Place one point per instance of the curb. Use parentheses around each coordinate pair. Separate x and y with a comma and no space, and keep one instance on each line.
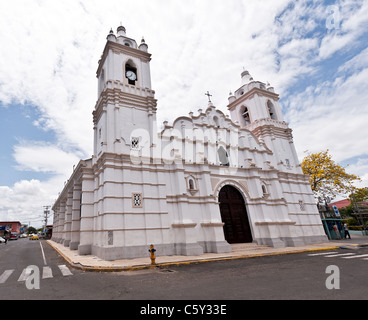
(178,263)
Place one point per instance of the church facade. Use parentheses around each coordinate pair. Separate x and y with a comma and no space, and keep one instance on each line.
(202,183)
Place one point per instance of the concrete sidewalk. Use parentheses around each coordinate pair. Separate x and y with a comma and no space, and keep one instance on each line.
(239,251)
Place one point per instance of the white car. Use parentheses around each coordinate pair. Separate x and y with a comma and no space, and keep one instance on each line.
(2,240)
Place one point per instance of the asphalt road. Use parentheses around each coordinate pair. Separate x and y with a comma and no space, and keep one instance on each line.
(285,277)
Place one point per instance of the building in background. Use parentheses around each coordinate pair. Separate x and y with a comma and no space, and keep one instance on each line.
(13,227)
(341,203)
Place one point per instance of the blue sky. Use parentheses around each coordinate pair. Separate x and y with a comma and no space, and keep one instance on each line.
(17,125)
(314,53)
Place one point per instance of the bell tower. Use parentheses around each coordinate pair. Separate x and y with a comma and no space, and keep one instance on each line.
(255,107)
(126,101)
(254,101)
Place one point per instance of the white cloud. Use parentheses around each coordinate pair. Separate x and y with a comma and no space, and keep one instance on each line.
(361,169)
(40,157)
(334,116)
(357,63)
(353,25)
(334,42)
(50,63)
(25,200)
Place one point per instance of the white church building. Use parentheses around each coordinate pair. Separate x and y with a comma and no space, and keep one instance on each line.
(204,182)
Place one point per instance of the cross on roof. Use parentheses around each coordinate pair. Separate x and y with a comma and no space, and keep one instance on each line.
(209,96)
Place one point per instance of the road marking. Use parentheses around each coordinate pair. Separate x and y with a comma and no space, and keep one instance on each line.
(64,270)
(25,274)
(6,275)
(340,255)
(321,254)
(43,254)
(47,273)
(359,256)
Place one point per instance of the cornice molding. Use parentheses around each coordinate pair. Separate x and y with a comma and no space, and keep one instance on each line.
(250,94)
(121,49)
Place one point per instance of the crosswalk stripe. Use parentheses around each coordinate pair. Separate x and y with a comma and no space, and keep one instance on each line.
(321,254)
(331,254)
(358,256)
(65,270)
(47,273)
(6,274)
(339,255)
(25,274)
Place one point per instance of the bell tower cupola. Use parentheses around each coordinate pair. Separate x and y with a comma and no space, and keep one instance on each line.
(124,61)
(121,31)
(253,101)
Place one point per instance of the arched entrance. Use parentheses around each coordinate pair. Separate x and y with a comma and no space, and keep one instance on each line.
(234,216)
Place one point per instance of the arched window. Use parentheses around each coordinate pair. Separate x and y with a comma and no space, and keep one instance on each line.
(271,110)
(216,121)
(131,72)
(264,190)
(246,116)
(191,184)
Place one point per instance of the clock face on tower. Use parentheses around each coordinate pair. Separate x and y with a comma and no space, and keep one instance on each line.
(131,75)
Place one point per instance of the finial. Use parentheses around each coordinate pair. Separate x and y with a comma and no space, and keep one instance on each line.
(111,36)
(209,96)
(121,30)
(143,46)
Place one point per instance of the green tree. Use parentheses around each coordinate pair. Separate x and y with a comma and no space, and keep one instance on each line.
(347,211)
(326,176)
(359,194)
(31,230)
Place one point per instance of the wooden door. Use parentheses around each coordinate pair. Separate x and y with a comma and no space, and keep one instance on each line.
(234,215)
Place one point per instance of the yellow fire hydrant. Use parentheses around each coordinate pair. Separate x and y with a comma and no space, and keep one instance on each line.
(153,256)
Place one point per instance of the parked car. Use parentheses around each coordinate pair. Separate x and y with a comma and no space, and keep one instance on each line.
(14,236)
(33,237)
(42,235)
(2,240)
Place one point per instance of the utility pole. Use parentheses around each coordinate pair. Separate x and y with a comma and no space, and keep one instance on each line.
(46,213)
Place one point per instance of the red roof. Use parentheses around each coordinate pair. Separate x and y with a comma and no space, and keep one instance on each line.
(340,204)
(9,222)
